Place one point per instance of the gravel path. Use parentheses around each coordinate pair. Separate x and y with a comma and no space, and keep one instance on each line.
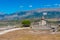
(6,31)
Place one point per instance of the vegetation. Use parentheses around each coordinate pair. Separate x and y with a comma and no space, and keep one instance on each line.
(26,23)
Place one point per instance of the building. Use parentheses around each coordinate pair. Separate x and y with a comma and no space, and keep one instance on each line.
(41,24)
(45,25)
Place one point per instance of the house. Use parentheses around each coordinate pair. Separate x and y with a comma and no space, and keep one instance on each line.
(41,24)
(45,25)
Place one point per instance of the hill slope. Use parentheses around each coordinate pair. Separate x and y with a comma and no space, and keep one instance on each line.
(51,13)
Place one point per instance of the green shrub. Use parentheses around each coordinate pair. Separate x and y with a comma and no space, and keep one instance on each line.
(26,23)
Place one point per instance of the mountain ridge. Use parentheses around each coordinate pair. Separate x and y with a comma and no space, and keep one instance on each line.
(51,13)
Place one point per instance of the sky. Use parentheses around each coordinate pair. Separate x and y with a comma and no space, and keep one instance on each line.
(11,6)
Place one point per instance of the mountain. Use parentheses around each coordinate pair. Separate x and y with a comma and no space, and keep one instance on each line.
(37,13)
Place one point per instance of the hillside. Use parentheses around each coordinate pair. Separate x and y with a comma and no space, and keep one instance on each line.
(37,13)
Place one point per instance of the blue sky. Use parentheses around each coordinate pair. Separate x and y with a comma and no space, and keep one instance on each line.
(10,6)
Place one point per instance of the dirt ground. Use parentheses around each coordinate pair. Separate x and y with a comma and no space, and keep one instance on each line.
(27,34)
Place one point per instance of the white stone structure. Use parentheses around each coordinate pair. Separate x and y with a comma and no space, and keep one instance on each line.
(45,25)
(43,22)
(41,25)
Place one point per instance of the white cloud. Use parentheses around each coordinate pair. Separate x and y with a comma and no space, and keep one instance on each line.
(11,16)
(44,13)
(27,14)
(30,6)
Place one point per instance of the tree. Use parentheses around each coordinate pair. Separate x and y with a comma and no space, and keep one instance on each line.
(26,23)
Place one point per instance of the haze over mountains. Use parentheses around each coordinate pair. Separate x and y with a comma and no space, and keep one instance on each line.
(37,13)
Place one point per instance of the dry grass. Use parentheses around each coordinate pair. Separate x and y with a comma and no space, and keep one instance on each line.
(28,35)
